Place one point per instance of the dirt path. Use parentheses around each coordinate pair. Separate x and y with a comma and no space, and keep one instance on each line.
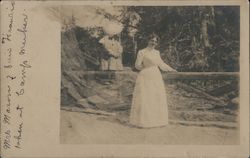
(81,128)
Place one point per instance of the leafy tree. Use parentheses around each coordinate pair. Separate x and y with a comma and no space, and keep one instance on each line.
(203,38)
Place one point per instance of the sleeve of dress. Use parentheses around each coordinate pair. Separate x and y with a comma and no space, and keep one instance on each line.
(119,49)
(138,62)
(163,66)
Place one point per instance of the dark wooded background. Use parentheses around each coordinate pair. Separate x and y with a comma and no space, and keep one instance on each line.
(203,38)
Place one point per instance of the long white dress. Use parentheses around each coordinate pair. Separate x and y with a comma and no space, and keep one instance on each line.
(149,104)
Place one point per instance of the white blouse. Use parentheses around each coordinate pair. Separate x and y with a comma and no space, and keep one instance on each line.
(147,58)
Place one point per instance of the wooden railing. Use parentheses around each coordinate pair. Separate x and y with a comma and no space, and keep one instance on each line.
(181,75)
(211,85)
(201,75)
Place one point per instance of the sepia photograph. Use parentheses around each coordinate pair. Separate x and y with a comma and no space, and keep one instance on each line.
(149,74)
(125,79)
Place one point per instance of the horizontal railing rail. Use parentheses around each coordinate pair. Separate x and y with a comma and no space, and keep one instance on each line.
(180,75)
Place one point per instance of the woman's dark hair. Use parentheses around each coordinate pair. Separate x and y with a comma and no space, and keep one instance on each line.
(153,35)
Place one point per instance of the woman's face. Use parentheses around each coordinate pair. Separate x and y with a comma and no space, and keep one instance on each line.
(153,42)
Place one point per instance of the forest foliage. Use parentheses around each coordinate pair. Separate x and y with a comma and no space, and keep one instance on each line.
(192,38)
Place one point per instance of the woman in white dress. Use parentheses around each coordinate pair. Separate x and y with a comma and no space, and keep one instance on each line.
(149,104)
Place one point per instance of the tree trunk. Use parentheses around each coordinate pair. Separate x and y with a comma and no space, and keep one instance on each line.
(204,31)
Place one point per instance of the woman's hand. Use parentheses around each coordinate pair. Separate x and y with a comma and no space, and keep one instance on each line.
(173,70)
